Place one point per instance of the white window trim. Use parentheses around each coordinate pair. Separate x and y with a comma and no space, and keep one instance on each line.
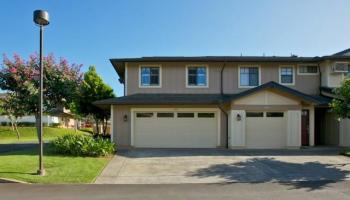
(160,76)
(175,110)
(207,76)
(279,74)
(239,75)
(308,74)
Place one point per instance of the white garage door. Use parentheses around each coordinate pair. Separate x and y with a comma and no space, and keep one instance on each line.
(266,129)
(180,129)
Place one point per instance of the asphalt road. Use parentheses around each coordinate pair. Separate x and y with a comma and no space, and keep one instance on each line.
(248,191)
(16,147)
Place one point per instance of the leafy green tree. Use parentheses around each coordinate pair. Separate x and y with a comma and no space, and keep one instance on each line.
(20,77)
(11,107)
(341,104)
(93,89)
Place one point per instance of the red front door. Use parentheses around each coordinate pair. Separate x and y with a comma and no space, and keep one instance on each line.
(305,124)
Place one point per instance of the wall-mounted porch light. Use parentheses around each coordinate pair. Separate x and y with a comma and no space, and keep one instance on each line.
(125,118)
(238,117)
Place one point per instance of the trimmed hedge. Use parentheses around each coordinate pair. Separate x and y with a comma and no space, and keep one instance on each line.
(82,145)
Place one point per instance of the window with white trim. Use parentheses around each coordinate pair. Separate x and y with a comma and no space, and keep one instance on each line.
(274,114)
(254,114)
(205,115)
(308,69)
(197,76)
(150,76)
(185,115)
(249,76)
(165,115)
(287,75)
(144,115)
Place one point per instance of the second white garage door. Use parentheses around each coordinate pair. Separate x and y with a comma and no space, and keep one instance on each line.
(180,129)
(266,130)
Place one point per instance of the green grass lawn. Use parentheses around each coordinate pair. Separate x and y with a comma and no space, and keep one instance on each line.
(28,134)
(22,165)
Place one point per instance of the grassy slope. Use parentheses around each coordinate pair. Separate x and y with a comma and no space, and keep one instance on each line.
(28,134)
(22,165)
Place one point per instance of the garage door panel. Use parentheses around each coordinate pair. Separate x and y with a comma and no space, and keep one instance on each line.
(186,132)
(266,132)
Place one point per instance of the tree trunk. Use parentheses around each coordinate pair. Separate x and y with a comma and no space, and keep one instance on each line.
(17,132)
(75,125)
(11,121)
(105,123)
(105,128)
(12,125)
(97,126)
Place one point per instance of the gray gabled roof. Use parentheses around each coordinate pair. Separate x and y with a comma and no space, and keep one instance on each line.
(201,99)
(162,99)
(346,52)
(119,63)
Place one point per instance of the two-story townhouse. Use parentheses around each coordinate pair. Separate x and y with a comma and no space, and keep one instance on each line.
(227,102)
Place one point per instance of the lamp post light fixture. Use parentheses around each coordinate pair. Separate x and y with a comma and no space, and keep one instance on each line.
(41,18)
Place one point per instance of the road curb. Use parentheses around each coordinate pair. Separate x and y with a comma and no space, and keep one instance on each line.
(7,180)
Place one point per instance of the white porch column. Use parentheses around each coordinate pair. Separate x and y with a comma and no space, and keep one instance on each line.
(237,128)
(293,128)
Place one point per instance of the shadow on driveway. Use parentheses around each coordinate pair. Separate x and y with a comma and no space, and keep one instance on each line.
(257,170)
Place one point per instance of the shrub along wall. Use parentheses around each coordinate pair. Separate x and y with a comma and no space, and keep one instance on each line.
(83,145)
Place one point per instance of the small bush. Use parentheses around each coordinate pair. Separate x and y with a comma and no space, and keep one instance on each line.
(346,153)
(26,124)
(83,145)
(55,125)
(4,123)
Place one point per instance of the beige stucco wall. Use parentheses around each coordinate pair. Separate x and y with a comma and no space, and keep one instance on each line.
(122,130)
(330,79)
(174,78)
(265,97)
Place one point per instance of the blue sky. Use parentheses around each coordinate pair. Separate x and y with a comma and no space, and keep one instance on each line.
(91,32)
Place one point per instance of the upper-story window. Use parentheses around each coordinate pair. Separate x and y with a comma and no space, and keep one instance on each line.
(197,76)
(287,75)
(308,69)
(249,76)
(150,76)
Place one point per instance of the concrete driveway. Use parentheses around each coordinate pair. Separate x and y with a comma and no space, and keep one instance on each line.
(154,166)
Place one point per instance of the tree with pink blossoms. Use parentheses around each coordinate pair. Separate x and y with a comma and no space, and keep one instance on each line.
(20,78)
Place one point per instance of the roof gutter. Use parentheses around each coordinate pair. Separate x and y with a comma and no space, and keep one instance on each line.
(222,79)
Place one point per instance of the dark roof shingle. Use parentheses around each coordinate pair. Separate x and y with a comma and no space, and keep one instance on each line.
(192,99)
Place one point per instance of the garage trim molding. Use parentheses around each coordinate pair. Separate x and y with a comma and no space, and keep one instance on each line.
(175,109)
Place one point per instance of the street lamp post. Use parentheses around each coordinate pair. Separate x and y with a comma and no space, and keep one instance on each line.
(41,18)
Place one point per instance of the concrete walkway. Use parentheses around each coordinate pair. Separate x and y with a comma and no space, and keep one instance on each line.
(221,166)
